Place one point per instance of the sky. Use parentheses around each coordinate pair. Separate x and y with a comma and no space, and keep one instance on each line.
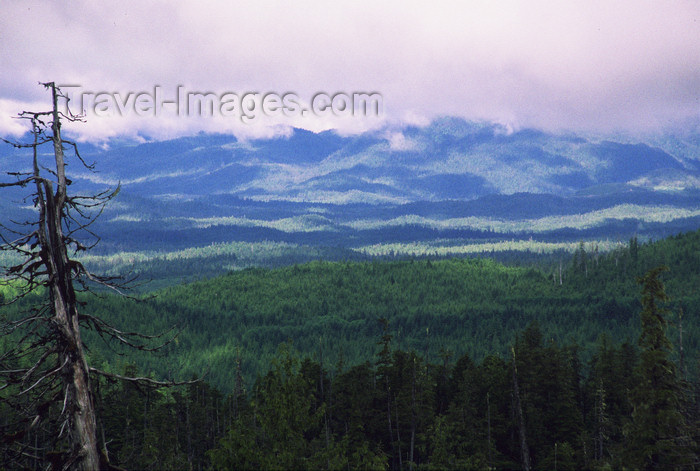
(565,66)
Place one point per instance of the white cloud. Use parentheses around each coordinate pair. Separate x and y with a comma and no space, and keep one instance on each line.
(399,142)
(582,65)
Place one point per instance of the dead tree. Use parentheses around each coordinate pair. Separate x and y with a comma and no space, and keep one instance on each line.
(45,377)
(524,449)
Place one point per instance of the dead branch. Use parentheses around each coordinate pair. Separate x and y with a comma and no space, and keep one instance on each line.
(143,380)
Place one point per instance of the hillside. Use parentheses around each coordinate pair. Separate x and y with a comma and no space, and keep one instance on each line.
(450,183)
(472,306)
(450,159)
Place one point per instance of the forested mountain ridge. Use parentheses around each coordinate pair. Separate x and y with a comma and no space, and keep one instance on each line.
(472,306)
(450,180)
(449,159)
(408,364)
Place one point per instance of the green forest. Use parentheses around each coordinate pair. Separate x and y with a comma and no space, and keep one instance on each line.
(434,307)
(412,364)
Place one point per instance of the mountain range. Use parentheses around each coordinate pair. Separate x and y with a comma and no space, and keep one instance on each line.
(451,179)
(450,159)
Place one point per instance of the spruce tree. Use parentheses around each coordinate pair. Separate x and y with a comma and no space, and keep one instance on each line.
(657,437)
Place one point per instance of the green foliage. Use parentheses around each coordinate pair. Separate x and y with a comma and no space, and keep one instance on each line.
(148,428)
(549,386)
(401,366)
(472,307)
(658,436)
(607,389)
(282,428)
(300,415)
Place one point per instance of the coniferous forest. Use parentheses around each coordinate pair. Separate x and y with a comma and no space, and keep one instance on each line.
(411,364)
(341,235)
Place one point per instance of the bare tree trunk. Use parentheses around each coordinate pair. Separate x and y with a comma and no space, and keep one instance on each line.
(488,429)
(388,414)
(398,431)
(190,456)
(46,245)
(560,281)
(681,361)
(413,416)
(525,451)
(78,399)
(323,399)
(601,421)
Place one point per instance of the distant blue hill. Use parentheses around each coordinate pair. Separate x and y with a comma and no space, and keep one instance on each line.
(351,190)
(450,159)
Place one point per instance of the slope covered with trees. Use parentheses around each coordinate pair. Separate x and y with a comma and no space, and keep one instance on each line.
(417,365)
(473,306)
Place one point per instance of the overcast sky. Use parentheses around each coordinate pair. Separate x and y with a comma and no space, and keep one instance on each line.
(586,66)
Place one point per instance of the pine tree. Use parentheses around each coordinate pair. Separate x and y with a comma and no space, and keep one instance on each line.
(634,250)
(657,437)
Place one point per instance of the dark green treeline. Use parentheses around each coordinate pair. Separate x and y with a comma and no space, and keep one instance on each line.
(474,307)
(400,412)
(414,365)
